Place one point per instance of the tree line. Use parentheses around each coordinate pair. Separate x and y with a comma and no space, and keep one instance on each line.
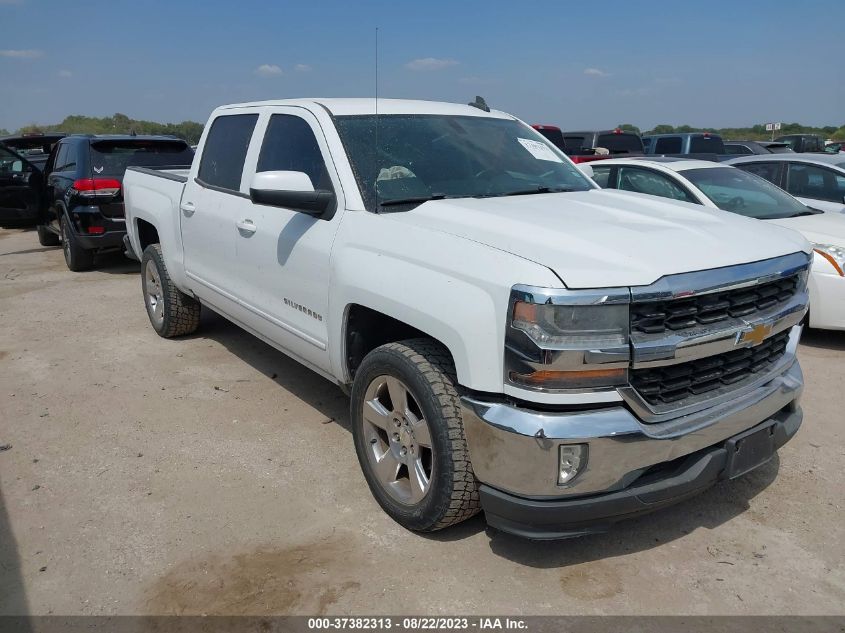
(753,133)
(191,130)
(117,124)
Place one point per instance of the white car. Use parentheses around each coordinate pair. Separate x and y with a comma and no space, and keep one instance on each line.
(719,186)
(514,339)
(817,180)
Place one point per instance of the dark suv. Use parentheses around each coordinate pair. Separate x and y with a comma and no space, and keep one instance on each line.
(83,197)
(803,142)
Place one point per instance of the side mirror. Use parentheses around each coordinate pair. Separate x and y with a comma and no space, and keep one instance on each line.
(586,169)
(291,190)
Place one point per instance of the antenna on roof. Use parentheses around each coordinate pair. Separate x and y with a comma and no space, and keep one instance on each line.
(480,103)
(376,104)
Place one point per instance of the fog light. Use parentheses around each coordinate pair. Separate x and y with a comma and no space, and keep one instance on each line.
(573,459)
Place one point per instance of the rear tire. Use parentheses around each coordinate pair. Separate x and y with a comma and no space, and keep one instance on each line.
(171,311)
(76,257)
(46,237)
(409,436)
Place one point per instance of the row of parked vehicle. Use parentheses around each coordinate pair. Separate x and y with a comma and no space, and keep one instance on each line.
(515,339)
(70,186)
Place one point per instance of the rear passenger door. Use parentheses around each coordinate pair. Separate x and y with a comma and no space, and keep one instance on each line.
(816,186)
(209,211)
(284,255)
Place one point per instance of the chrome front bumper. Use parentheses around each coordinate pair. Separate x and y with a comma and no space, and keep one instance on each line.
(515,450)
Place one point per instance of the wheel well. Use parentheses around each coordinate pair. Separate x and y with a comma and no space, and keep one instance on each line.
(147,234)
(367,329)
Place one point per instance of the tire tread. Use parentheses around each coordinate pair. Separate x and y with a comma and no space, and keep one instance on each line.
(182,314)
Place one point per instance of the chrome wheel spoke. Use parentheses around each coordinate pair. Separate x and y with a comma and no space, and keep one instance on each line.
(377,415)
(398,395)
(418,480)
(422,435)
(387,467)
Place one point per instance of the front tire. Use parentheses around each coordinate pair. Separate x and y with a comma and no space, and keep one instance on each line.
(46,237)
(171,311)
(409,436)
(76,257)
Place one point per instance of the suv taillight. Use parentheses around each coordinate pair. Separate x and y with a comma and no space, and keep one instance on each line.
(96,187)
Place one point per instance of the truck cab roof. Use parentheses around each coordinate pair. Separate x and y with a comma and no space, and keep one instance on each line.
(369,105)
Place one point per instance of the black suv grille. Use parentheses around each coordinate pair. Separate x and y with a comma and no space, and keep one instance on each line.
(677,314)
(675,382)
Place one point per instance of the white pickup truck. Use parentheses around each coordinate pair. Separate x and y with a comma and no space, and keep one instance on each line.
(515,340)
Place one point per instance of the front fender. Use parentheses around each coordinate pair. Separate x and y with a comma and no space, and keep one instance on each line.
(451,288)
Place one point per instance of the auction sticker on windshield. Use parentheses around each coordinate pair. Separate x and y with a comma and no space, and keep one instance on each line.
(539,150)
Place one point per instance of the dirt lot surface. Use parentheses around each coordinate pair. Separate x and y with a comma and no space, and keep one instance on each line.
(213,475)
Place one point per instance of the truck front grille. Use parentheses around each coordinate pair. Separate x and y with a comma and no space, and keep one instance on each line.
(675,382)
(656,317)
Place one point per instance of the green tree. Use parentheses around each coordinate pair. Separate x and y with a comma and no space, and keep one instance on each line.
(663,129)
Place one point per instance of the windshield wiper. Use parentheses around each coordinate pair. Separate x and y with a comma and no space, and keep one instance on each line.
(412,200)
(808,211)
(527,192)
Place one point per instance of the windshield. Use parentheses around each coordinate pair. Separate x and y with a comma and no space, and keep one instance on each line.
(738,191)
(414,158)
(111,158)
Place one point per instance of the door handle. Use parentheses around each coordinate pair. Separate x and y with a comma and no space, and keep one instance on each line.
(246,226)
(188,208)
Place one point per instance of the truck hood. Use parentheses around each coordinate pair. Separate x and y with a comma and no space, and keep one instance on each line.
(599,238)
(822,228)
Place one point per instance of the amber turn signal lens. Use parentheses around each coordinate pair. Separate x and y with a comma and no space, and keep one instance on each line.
(525,312)
(547,379)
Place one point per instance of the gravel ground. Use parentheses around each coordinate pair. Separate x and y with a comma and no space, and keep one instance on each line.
(211,474)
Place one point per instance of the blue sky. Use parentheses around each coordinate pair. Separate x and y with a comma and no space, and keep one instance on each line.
(573,64)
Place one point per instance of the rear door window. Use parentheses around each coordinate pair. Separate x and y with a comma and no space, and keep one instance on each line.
(651,182)
(668,145)
(112,157)
(769,171)
(224,152)
(737,149)
(811,181)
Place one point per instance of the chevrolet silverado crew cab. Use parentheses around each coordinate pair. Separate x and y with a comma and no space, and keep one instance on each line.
(514,339)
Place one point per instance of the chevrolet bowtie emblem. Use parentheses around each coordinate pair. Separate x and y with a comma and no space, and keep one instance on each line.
(755,335)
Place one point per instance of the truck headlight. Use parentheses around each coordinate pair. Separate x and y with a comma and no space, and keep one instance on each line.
(568,340)
(834,254)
